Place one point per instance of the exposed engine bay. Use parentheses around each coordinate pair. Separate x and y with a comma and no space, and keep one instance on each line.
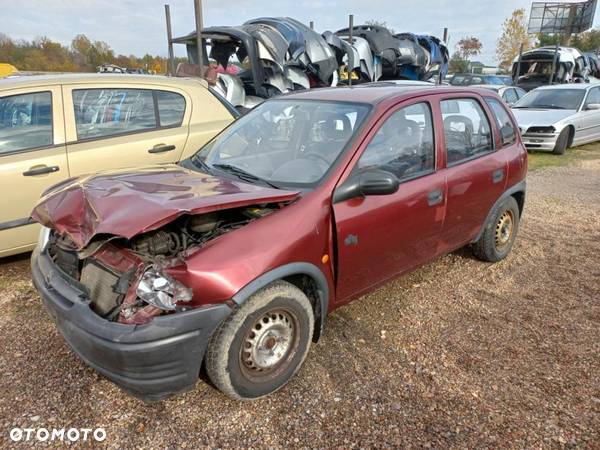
(128,279)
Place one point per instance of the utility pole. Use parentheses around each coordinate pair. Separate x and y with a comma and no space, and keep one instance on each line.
(312,25)
(171,62)
(350,32)
(199,27)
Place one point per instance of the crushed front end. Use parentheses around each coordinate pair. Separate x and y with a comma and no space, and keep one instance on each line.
(119,290)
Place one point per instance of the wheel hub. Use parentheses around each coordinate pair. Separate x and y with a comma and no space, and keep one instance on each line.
(504,229)
(268,342)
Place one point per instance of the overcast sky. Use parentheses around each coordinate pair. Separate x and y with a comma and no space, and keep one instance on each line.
(138,26)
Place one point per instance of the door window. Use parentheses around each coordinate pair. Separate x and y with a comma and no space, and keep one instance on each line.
(510,96)
(466,129)
(25,122)
(593,97)
(404,145)
(107,112)
(505,125)
(171,108)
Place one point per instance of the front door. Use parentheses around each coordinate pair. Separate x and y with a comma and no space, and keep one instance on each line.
(379,237)
(588,119)
(113,127)
(32,158)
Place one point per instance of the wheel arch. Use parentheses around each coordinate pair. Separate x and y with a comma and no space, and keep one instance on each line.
(307,277)
(571,129)
(517,192)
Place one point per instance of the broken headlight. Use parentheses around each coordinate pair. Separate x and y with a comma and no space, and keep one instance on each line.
(161,290)
(43,238)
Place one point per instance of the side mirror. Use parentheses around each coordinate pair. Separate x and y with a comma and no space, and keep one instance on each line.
(592,107)
(369,182)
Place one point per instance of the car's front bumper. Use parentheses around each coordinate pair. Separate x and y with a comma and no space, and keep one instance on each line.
(540,141)
(150,361)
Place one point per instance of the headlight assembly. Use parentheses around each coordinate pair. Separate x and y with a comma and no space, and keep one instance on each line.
(161,290)
(43,238)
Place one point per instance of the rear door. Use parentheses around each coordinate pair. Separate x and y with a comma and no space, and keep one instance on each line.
(32,158)
(476,170)
(379,237)
(114,126)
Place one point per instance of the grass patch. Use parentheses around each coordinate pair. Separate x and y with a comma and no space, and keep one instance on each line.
(540,160)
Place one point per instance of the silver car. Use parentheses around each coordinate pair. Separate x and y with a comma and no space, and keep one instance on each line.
(510,94)
(554,118)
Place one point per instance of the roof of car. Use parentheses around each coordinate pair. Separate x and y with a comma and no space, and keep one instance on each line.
(373,93)
(92,78)
(570,86)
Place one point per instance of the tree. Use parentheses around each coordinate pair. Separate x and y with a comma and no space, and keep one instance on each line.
(468,47)
(514,33)
(457,64)
(379,23)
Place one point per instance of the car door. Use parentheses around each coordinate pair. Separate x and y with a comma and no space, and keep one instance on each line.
(32,158)
(379,237)
(587,120)
(476,172)
(130,125)
(510,96)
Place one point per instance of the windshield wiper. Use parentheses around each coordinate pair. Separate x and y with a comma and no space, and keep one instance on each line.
(201,165)
(548,107)
(243,175)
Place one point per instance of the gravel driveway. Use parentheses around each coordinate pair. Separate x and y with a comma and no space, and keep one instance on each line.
(457,354)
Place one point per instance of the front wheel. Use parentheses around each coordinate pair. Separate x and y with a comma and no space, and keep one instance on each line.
(500,232)
(562,142)
(262,344)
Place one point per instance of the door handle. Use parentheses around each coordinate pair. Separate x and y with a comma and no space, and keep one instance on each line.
(40,170)
(161,148)
(435,197)
(498,175)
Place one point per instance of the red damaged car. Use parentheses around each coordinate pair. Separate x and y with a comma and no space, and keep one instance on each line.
(234,258)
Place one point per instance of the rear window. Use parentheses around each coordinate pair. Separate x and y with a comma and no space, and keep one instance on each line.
(25,122)
(507,129)
(171,108)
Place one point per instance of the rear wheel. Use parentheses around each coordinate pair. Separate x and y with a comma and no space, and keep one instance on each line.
(562,142)
(500,232)
(262,344)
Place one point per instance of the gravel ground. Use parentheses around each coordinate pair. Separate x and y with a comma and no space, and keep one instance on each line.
(457,354)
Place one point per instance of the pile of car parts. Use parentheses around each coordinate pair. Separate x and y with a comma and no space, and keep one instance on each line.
(268,56)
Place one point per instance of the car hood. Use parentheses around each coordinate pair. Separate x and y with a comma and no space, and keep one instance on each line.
(126,203)
(527,117)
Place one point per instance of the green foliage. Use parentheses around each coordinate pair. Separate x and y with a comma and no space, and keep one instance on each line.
(83,55)
(458,64)
(587,41)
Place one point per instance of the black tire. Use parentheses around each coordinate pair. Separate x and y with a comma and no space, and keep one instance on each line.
(236,360)
(562,142)
(494,244)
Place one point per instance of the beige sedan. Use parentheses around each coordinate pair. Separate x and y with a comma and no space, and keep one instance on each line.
(59,126)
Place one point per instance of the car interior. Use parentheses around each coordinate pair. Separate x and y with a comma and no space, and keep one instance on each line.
(25,122)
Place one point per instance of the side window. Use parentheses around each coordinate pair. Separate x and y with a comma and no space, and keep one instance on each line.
(510,96)
(171,108)
(467,131)
(505,125)
(25,122)
(593,97)
(520,93)
(404,144)
(108,112)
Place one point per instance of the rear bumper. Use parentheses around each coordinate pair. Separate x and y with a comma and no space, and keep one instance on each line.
(150,361)
(539,141)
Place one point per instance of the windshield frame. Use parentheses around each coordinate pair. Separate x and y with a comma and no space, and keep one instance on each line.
(533,92)
(357,132)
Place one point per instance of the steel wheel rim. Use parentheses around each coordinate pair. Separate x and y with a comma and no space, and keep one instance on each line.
(504,230)
(268,346)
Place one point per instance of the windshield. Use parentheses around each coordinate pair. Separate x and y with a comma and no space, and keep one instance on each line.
(493,80)
(552,99)
(284,142)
